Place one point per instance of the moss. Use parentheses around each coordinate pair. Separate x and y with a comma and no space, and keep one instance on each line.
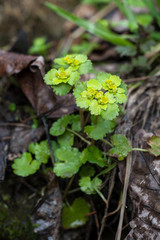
(13,226)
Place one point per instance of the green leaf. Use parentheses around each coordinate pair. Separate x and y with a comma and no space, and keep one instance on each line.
(25,165)
(125,9)
(155,35)
(75,216)
(151,6)
(154,142)
(41,151)
(88,186)
(121,146)
(93,154)
(94,107)
(90,27)
(86,171)
(75,123)
(59,127)
(144,19)
(61,89)
(82,102)
(67,139)
(126,51)
(139,62)
(85,47)
(99,130)
(111,112)
(69,161)
(136,3)
(93,83)
(85,67)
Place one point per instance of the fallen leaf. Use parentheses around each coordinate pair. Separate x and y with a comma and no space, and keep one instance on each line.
(154,142)
(30,72)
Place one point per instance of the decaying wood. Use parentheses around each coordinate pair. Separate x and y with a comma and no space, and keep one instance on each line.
(141,121)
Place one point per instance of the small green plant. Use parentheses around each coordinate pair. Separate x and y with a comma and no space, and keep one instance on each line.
(12,107)
(98,101)
(79,138)
(39,46)
(26,165)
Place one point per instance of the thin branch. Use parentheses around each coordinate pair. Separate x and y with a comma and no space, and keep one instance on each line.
(81,113)
(48,138)
(125,188)
(111,186)
(68,186)
(153,174)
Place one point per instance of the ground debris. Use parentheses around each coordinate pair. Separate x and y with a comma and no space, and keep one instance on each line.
(47,213)
(140,123)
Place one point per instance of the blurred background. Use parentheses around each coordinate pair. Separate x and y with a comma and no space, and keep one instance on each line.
(32,17)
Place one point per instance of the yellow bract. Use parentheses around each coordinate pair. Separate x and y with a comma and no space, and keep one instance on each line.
(91,91)
(61,75)
(76,62)
(104,100)
(111,85)
(99,95)
(72,61)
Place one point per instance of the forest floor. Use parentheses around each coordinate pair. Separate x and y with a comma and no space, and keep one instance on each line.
(125,206)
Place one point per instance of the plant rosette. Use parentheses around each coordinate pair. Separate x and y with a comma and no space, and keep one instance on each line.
(75,62)
(101,96)
(61,80)
(56,77)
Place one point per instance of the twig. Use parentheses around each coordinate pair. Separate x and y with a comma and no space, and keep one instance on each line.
(116,210)
(95,215)
(81,113)
(34,190)
(15,125)
(89,229)
(125,188)
(48,138)
(68,186)
(111,186)
(137,79)
(5,138)
(153,174)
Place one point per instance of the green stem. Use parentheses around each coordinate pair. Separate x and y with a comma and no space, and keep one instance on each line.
(108,143)
(78,135)
(101,195)
(96,120)
(82,118)
(68,186)
(139,149)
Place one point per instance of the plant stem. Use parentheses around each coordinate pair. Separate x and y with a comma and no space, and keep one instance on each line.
(48,138)
(96,119)
(108,143)
(139,149)
(78,135)
(82,118)
(68,186)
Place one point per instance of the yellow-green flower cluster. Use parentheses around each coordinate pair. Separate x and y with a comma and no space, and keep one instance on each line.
(63,79)
(75,62)
(56,77)
(101,96)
